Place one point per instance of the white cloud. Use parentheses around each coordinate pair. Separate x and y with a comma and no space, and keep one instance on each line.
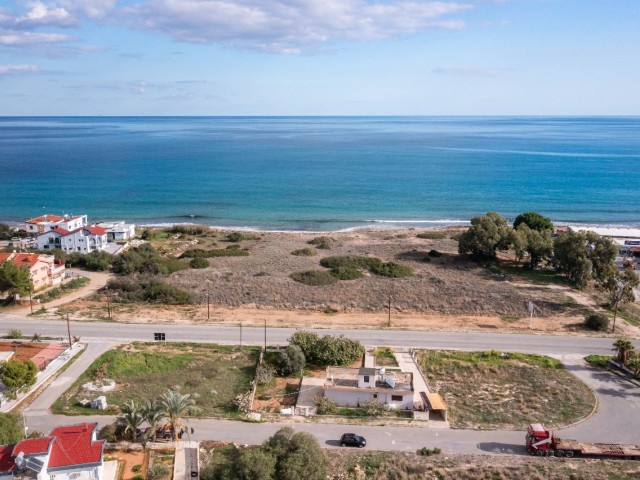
(40,14)
(16,69)
(289,26)
(90,8)
(16,38)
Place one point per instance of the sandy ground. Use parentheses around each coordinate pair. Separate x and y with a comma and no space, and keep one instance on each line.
(447,292)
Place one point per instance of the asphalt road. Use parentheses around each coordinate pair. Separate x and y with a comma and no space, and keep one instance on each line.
(617,419)
(212,333)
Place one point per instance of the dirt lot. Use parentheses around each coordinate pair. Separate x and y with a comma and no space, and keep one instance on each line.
(128,460)
(447,292)
(349,465)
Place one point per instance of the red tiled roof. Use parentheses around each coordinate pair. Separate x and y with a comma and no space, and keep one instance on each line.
(45,218)
(4,256)
(32,446)
(96,230)
(73,446)
(59,230)
(6,460)
(21,259)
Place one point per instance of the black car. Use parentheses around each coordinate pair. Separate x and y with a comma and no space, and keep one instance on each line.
(352,440)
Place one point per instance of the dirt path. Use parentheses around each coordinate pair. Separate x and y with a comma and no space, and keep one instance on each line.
(97,280)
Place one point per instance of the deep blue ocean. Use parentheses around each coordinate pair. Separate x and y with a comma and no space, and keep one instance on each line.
(321,173)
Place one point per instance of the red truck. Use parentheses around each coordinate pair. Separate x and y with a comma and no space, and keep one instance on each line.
(542,442)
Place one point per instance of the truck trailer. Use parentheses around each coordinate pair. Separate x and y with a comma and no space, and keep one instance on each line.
(542,442)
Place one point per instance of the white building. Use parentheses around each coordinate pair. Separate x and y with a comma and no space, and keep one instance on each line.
(351,387)
(87,239)
(119,231)
(45,223)
(67,453)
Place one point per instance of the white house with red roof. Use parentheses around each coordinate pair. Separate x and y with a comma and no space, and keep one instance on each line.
(47,222)
(44,270)
(67,453)
(86,239)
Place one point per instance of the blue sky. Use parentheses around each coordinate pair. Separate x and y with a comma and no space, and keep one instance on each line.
(319,57)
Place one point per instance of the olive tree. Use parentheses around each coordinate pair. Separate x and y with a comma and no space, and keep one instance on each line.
(488,234)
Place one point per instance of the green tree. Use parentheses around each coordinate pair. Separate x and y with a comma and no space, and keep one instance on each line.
(176,406)
(539,244)
(304,459)
(620,286)
(634,365)
(534,221)
(488,234)
(624,350)
(583,256)
(291,360)
(153,413)
(11,428)
(17,376)
(131,418)
(255,464)
(14,280)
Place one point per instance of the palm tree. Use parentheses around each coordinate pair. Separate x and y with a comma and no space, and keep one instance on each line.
(623,348)
(132,417)
(153,413)
(634,365)
(176,406)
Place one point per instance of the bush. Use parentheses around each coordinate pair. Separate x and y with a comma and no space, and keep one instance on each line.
(427,452)
(113,432)
(136,468)
(323,243)
(14,334)
(11,428)
(230,251)
(264,374)
(199,262)
(434,253)
(188,229)
(325,405)
(137,477)
(158,471)
(373,408)
(237,237)
(597,321)
(305,252)
(346,273)
(314,278)
(327,350)
(148,289)
(255,464)
(94,261)
(352,261)
(456,236)
(291,360)
(393,270)
(147,260)
(432,235)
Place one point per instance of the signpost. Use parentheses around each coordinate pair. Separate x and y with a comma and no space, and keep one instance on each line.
(159,337)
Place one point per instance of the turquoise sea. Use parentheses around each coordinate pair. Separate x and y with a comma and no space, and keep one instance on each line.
(321,173)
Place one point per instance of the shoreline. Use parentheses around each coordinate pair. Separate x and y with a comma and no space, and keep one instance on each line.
(369,225)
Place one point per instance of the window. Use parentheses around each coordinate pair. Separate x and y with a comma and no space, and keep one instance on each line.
(366,379)
(375,395)
(396,398)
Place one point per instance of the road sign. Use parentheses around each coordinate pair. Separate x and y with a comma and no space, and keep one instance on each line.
(159,337)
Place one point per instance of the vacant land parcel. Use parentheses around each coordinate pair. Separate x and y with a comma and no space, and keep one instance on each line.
(214,374)
(506,390)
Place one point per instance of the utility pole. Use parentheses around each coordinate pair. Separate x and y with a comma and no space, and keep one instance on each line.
(208,310)
(30,299)
(389,317)
(69,331)
(240,335)
(108,303)
(265,334)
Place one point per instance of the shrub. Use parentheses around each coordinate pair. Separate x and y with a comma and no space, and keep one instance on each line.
(136,468)
(11,428)
(94,261)
(393,270)
(137,477)
(158,471)
(230,251)
(325,405)
(346,273)
(432,235)
(199,262)
(456,236)
(305,252)
(291,360)
(14,334)
(264,374)
(148,289)
(255,464)
(427,452)
(323,243)
(327,350)
(237,237)
(147,260)
(597,321)
(353,261)
(189,229)
(373,408)
(314,278)
(113,432)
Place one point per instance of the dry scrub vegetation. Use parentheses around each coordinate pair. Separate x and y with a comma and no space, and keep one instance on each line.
(408,466)
(444,283)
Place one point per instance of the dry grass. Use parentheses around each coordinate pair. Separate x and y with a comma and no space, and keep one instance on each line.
(487,390)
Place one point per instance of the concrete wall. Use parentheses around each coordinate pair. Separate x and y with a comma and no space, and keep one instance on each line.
(347,398)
